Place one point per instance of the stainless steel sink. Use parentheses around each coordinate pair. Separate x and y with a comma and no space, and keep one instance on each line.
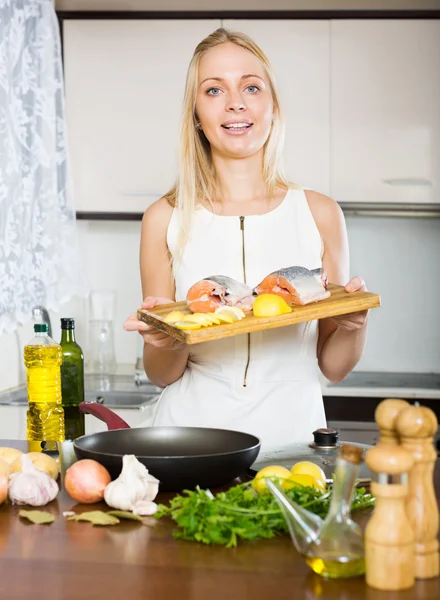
(114,392)
(137,400)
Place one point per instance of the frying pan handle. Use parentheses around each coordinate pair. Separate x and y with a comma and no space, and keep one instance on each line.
(111,419)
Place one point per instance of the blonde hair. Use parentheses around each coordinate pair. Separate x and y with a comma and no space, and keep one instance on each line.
(196,179)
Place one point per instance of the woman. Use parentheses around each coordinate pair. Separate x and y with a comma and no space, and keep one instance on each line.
(233,213)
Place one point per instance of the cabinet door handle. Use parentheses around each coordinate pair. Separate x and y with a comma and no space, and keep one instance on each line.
(410,182)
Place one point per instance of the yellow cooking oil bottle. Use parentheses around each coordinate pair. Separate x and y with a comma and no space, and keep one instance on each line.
(45,415)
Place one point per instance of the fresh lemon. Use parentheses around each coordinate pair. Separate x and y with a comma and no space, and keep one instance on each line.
(280,474)
(270,305)
(174,316)
(233,311)
(306,467)
(300,479)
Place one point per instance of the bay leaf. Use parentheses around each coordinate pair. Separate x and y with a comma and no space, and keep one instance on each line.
(95,517)
(39,517)
(122,514)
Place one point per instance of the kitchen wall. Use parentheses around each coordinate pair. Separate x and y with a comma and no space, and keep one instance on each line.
(398,258)
(245,4)
(110,258)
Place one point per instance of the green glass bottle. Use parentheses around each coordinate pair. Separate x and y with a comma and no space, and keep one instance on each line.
(72,381)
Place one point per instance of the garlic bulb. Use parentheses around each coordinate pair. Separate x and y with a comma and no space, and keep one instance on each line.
(31,486)
(133,484)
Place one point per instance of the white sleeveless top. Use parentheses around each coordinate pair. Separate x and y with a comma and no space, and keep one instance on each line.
(265,383)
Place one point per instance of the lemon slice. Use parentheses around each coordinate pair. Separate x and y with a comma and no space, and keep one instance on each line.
(226,318)
(232,311)
(198,318)
(213,318)
(174,316)
(187,325)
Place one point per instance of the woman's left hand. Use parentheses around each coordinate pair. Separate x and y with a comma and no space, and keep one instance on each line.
(356,320)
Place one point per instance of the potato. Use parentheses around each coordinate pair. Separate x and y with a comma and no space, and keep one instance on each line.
(5,468)
(9,454)
(42,462)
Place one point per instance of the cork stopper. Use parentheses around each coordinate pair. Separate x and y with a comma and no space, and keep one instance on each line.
(351,453)
(385,416)
(417,422)
(389,459)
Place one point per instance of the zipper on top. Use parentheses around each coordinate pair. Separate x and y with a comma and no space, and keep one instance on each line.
(243,258)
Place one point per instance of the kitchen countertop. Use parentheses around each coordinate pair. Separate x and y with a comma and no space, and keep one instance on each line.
(71,561)
(385,385)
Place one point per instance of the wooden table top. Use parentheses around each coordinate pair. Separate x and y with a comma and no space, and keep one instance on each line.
(75,561)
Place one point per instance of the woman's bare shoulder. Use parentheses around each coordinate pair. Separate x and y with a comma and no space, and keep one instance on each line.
(326,212)
(156,219)
(158,213)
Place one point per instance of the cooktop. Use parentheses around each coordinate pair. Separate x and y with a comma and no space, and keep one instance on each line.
(426,381)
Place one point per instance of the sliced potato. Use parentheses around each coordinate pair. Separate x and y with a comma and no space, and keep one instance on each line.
(9,454)
(42,462)
(5,468)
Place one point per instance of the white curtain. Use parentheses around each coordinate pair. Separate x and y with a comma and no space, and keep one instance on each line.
(39,261)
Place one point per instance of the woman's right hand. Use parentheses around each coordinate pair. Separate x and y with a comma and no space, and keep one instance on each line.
(151,335)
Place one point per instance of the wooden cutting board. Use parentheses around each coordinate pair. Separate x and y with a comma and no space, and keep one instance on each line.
(340,302)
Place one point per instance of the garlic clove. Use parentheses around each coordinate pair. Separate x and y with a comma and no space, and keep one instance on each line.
(153,488)
(31,486)
(145,508)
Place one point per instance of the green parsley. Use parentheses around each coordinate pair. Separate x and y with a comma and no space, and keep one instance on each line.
(242,514)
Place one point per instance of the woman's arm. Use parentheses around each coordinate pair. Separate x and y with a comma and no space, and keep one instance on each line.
(341,340)
(165,358)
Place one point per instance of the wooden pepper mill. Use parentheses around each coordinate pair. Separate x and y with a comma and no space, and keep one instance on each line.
(385,416)
(388,537)
(416,427)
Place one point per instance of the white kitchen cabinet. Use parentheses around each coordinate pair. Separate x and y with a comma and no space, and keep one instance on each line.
(13,422)
(299,52)
(385,111)
(124,82)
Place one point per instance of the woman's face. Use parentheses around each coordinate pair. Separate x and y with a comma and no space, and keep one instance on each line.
(234,103)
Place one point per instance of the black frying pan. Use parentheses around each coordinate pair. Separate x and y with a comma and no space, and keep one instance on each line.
(180,457)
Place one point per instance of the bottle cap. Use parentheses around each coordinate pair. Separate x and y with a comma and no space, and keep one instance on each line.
(351,453)
(324,438)
(67,323)
(41,328)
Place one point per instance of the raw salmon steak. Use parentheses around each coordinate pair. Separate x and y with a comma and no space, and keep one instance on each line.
(218,290)
(296,285)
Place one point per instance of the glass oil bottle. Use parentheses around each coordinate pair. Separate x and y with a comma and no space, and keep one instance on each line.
(72,380)
(338,550)
(333,547)
(45,416)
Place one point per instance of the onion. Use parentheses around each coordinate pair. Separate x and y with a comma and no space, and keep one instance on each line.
(3,488)
(86,480)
